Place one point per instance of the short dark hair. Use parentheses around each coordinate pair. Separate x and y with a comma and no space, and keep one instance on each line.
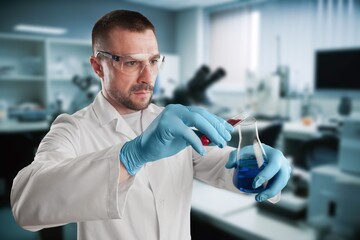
(126,19)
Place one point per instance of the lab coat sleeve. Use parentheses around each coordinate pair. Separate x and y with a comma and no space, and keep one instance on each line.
(211,168)
(60,187)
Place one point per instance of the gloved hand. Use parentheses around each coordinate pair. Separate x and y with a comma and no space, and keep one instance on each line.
(170,133)
(278,168)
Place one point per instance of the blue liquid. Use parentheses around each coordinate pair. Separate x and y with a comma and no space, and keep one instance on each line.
(245,173)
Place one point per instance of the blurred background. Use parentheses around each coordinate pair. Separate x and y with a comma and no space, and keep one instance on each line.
(292,64)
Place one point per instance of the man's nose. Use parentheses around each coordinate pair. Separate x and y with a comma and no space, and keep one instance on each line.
(146,67)
(146,74)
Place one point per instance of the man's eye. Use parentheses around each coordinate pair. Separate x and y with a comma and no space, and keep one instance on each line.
(131,63)
(154,61)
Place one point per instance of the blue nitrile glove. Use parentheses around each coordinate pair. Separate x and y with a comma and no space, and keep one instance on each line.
(170,133)
(278,167)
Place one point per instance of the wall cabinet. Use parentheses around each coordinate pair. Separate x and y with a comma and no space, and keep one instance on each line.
(65,60)
(39,70)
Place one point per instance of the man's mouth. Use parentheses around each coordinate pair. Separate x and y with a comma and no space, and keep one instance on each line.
(142,89)
(142,92)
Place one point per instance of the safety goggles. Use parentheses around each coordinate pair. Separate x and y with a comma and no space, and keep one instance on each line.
(134,64)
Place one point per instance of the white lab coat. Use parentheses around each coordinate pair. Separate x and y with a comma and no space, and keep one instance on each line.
(75,178)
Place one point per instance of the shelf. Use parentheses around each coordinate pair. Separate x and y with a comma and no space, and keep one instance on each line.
(12,126)
(48,64)
(19,78)
(61,79)
(67,58)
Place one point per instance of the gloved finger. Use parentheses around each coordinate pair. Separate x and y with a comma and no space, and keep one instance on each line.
(222,127)
(192,119)
(184,132)
(232,161)
(275,160)
(275,187)
(227,125)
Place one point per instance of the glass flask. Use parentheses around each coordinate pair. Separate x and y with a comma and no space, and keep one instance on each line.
(251,158)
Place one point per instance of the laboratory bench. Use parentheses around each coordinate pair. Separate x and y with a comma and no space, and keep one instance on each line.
(15,126)
(239,214)
(296,133)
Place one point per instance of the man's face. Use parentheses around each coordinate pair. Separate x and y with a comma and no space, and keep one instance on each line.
(128,92)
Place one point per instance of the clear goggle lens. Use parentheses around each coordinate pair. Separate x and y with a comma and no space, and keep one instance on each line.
(135,63)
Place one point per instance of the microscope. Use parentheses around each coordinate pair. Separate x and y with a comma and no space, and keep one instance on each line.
(88,88)
(195,91)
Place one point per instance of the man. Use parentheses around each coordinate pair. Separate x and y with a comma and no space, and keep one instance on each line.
(123,168)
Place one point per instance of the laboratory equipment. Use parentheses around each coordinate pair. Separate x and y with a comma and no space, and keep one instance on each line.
(349,145)
(28,112)
(251,157)
(234,121)
(337,73)
(250,154)
(245,173)
(88,88)
(334,202)
(195,91)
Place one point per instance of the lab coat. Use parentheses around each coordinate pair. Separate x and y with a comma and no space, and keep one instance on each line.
(75,178)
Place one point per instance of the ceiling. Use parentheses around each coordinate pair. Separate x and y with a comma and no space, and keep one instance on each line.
(181,4)
(78,16)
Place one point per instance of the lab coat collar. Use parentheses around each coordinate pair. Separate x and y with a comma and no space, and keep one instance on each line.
(105,113)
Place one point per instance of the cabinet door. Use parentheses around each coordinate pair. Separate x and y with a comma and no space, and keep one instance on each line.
(67,60)
(22,70)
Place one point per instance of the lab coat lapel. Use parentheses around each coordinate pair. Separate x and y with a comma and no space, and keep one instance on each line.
(123,128)
(106,113)
(149,114)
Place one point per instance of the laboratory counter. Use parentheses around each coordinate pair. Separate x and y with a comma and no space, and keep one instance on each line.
(14,126)
(239,215)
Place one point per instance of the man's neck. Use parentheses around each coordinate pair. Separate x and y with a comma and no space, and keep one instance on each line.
(120,110)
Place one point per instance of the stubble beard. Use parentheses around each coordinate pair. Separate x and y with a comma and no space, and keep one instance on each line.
(124,99)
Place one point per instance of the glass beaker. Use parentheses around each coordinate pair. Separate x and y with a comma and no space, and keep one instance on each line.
(251,158)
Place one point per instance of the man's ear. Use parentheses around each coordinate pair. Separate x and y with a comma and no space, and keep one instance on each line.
(96,66)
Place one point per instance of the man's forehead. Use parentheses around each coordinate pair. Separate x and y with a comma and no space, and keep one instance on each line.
(128,42)
(124,35)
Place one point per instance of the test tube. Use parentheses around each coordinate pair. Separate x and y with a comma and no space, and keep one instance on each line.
(234,121)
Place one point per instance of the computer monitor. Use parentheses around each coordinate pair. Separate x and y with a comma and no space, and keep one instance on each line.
(337,72)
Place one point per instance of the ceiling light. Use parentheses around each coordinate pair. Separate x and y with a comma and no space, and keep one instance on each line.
(39,29)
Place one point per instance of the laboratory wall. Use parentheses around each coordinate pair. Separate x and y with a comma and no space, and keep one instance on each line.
(79,16)
(290,33)
(190,41)
(302,28)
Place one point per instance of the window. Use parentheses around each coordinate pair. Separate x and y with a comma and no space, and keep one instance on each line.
(234,44)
